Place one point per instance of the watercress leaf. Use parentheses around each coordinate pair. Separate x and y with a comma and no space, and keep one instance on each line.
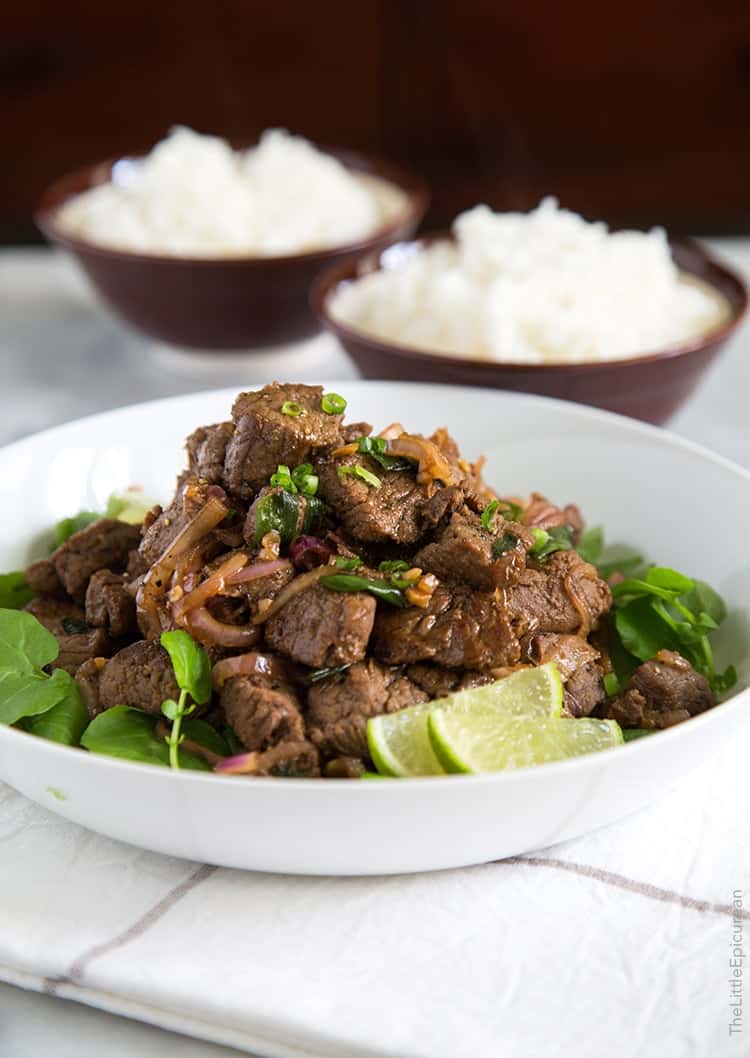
(634,587)
(663,577)
(233,743)
(14,591)
(191,664)
(724,681)
(25,694)
(623,662)
(67,526)
(25,644)
(205,735)
(630,734)
(625,562)
(66,721)
(591,544)
(130,735)
(702,599)
(642,630)
(170,708)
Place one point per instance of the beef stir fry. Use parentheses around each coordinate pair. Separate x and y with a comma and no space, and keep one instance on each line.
(332,574)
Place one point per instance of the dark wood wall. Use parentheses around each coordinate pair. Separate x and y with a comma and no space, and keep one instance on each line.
(636,112)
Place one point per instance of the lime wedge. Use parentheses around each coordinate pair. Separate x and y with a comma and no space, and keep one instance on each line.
(400,742)
(465,741)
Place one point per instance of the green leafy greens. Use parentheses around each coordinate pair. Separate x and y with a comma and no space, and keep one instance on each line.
(14,591)
(48,704)
(656,608)
(192,669)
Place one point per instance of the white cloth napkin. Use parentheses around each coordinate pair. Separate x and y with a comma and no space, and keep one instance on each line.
(617,945)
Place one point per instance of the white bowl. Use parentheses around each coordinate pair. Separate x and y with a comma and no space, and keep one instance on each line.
(680,504)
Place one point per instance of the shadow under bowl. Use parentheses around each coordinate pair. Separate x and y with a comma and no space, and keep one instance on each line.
(650,387)
(219,303)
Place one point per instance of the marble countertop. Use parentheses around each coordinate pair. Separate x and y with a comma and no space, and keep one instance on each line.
(63,356)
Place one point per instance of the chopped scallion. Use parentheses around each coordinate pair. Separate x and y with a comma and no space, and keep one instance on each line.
(333,404)
(356,470)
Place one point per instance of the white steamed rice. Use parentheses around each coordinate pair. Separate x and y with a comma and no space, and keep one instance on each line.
(194,196)
(538,287)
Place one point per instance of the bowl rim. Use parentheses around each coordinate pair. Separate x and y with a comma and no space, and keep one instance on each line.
(75,181)
(634,427)
(325,286)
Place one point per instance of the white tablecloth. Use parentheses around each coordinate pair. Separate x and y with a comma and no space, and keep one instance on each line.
(617,944)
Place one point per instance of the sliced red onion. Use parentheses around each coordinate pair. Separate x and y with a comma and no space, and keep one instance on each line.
(246,665)
(209,631)
(258,569)
(307,552)
(240,764)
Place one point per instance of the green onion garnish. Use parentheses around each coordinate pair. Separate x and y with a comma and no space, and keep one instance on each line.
(282,479)
(377,449)
(358,471)
(292,408)
(350,583)
(396,565)
(488,514)
(333,403)
(611,684)
(341,562)
(305,478)
(546,542)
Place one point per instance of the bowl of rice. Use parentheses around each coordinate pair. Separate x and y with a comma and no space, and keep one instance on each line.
(540,302)
(205,246)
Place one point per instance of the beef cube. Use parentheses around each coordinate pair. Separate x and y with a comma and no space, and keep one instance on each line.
(541,513)
(160,527)
(352,431)
(264,437)
(438,682)
(249,592)
(584,691)
(660,693)
(468,475)
(109,605)
(52,612)
(568,652)
(80,647)
(464,552)
(140,675)
(42,578)
(322,628)
(460,628)
(340,706)
(262,711)
(577,663)
(400,510)
(206,449)
(105,544)
(87,677)
(563,594)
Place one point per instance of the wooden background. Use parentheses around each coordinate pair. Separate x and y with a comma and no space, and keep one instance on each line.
(637,113)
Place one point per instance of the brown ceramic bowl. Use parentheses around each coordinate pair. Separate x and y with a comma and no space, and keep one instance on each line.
(650,387)
(219,303)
